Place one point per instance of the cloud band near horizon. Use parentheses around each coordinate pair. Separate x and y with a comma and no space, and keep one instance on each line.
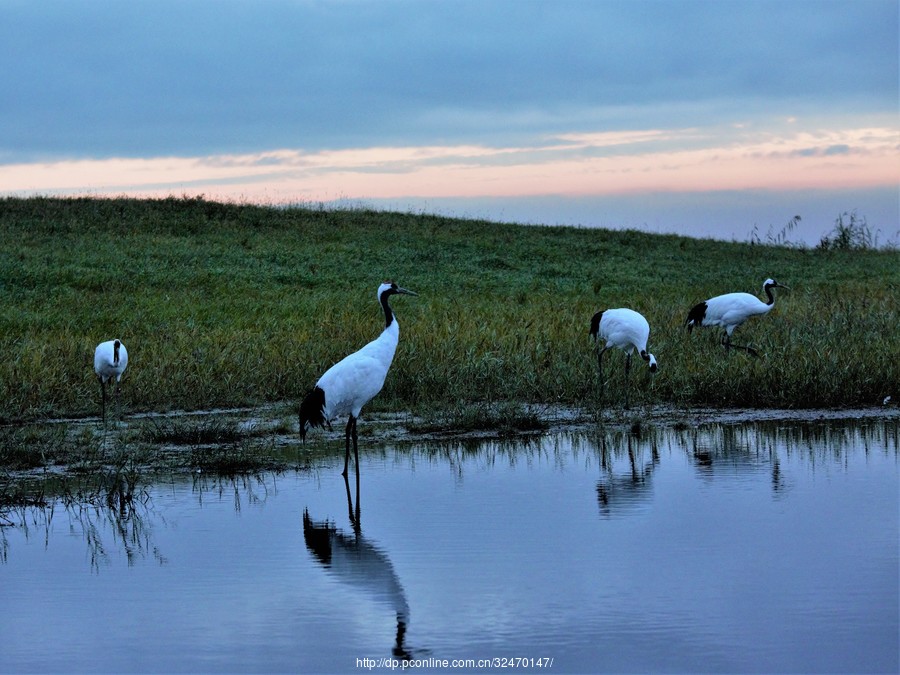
(786,155)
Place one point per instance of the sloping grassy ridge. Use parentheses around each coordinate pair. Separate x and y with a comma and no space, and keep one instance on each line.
(230,305)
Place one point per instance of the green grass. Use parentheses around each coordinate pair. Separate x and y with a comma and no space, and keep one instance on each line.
(83,464)
(498,417)
(237,305)
(182,432)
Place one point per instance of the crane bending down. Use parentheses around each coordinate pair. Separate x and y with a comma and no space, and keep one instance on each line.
(110,360)
(731,310)
(354,381)
(626,329)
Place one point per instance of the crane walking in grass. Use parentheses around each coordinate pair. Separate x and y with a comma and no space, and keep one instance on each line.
(731,310)
(110,360)
(351,383)
(626,329)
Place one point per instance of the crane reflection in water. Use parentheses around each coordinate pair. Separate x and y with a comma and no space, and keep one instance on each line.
(715,450)
(735,449)
(622,491)
(358,562)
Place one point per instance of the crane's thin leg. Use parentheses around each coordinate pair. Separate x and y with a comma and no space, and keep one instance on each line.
(627,376)
(347,438)
(102,402)
(600,366)
(358,506)
(356,450)
(728,345)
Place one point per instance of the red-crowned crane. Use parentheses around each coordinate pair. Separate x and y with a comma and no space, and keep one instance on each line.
(110,360)
(626,329)
(731,310)
(354,381)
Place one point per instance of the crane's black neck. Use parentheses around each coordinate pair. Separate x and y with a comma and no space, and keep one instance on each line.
(388,314)
(769,294)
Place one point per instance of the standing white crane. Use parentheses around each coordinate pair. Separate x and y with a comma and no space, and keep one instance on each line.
(731,310)
(110,360)
(354,381)
(626,329)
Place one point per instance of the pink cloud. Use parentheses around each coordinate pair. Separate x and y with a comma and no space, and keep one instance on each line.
(598,163)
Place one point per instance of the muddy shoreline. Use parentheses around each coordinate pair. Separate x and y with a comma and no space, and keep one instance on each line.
(79,460)
(382,428)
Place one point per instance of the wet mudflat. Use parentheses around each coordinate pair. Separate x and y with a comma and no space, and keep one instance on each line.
(720,548)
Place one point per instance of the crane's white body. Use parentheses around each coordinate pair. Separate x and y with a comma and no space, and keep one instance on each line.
(627,330)
(110,362)
(731,310)
(354,380)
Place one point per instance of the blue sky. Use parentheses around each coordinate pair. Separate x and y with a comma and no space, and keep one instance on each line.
(707,118)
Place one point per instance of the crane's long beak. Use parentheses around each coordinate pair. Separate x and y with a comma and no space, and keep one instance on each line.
(405,291)
(787,288)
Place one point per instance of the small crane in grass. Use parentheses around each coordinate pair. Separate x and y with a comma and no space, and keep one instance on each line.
(731,310)
(354,381)
(110,361)
(626,329)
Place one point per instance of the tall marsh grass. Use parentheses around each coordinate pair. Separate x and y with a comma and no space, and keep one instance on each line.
(226,305)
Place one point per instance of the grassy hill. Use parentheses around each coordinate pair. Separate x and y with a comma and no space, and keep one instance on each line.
(232,305)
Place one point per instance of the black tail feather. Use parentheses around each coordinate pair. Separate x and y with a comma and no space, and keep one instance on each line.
(695,316)
(595,325)
(312,411)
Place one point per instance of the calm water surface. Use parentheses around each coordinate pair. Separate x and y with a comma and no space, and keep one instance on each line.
(718,549)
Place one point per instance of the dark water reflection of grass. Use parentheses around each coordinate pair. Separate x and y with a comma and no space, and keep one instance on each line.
(107,496)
